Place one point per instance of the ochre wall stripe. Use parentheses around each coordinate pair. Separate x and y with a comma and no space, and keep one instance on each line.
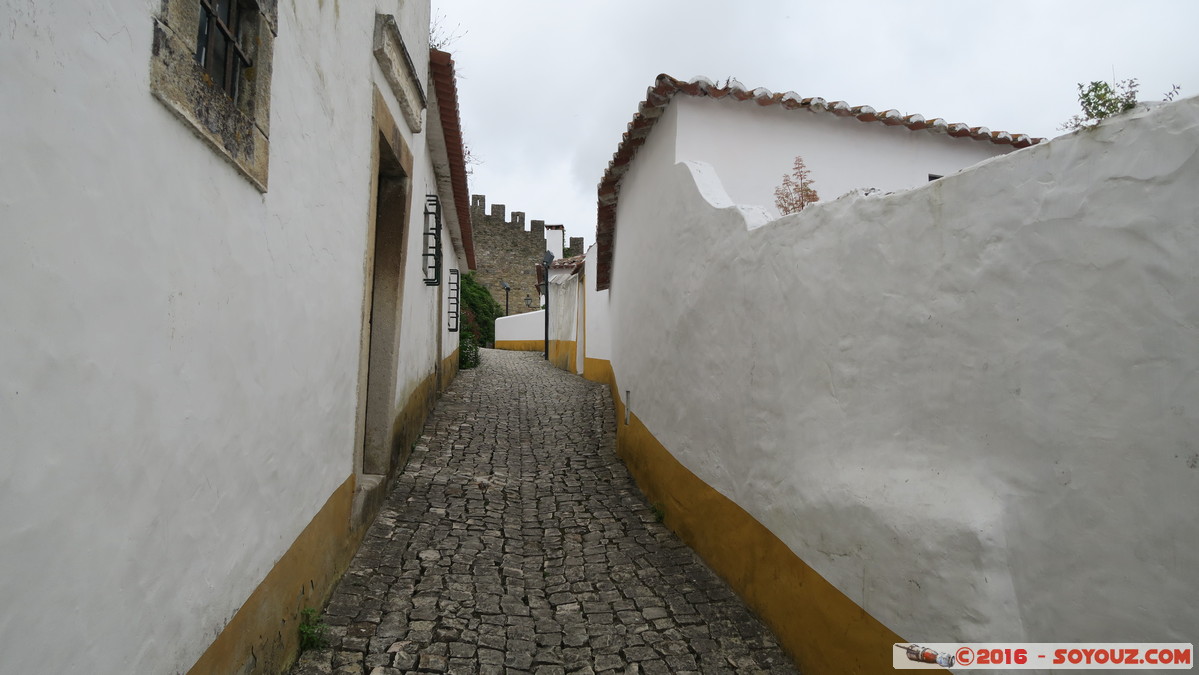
(819,626)
(265,631)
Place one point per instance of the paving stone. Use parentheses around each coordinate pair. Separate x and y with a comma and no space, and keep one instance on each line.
(432,663)
(405,661)
(515,541)
(608,662)
(314,662)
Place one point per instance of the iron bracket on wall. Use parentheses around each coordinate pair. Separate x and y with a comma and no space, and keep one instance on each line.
(453,300)
(432,251)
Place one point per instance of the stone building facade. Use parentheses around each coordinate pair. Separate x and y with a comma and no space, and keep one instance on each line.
(506,252)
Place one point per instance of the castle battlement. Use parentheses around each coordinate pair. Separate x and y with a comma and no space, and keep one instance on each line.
(505,252)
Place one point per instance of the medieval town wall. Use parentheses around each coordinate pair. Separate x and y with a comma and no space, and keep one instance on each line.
(507,252)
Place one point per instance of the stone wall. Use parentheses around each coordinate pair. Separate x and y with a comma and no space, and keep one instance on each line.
(575,248)
(506,251)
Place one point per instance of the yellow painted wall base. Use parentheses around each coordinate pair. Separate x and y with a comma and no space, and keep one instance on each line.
(822,629)
(263,636)
(563,355)
(449,370)
(600,370)
(410,419)
(521,345)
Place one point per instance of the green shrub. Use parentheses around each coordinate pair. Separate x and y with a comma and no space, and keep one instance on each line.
(1100,100)
(479,311)
(312,630)
(468,351)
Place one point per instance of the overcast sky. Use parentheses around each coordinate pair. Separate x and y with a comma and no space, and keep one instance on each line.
(546,87)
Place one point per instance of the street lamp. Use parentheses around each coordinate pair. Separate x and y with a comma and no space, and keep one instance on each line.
(547,260)
(529,301)
(506,287)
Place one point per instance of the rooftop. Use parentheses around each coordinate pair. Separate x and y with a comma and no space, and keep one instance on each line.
(665,88)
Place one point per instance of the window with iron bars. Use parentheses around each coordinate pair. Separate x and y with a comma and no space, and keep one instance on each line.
(218,47)
(210,65)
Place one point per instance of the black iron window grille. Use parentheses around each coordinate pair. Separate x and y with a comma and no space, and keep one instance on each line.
(453,283)
(218,48)
(432,252)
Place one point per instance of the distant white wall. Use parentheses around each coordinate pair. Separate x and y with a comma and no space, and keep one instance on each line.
(527,326)
(554,241)
(973,406)
(580,319)
(753,147)
(598,325)
(564,298)
(179,351)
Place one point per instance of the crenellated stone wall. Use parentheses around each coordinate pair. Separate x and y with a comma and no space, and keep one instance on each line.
(575,248)
(506,252)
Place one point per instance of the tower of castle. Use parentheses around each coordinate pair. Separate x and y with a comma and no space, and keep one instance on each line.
(506,252)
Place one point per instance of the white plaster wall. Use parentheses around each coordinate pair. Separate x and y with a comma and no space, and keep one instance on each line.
(598,324)
(580,320)
(971,406)
(554,242)
(420,318)
(449,340)
(563,307)
(527,326)
(753,147)
(179,352)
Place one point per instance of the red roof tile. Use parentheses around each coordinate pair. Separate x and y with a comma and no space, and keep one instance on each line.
(573,262)
(441,69)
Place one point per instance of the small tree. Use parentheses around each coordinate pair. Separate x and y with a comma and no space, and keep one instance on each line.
(1100,100)
(796,192)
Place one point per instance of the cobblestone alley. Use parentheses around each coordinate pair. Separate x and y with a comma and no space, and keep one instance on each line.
(516,542)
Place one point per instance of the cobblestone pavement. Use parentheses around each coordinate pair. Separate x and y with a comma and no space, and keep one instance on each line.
(516,542)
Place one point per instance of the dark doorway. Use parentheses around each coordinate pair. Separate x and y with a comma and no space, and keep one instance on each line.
(387,289)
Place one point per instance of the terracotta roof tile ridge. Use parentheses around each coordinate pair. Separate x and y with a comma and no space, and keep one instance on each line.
(666,86)
(441,70)
(568,262)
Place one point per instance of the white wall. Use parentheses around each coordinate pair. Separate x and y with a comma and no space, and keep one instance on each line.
(753,147)
(449,340)
(179,351)
(598,325)
(527,326)
(420,319)
(972,406)
(563,306)
(554,241)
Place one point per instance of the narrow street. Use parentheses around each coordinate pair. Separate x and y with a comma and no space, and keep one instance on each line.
(516,542)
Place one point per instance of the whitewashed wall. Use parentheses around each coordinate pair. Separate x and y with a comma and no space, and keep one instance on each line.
(179,352)
(753,147)
(973,407)
(598,323)
(449,339)
(564,299)
(527,326)
(564,313)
